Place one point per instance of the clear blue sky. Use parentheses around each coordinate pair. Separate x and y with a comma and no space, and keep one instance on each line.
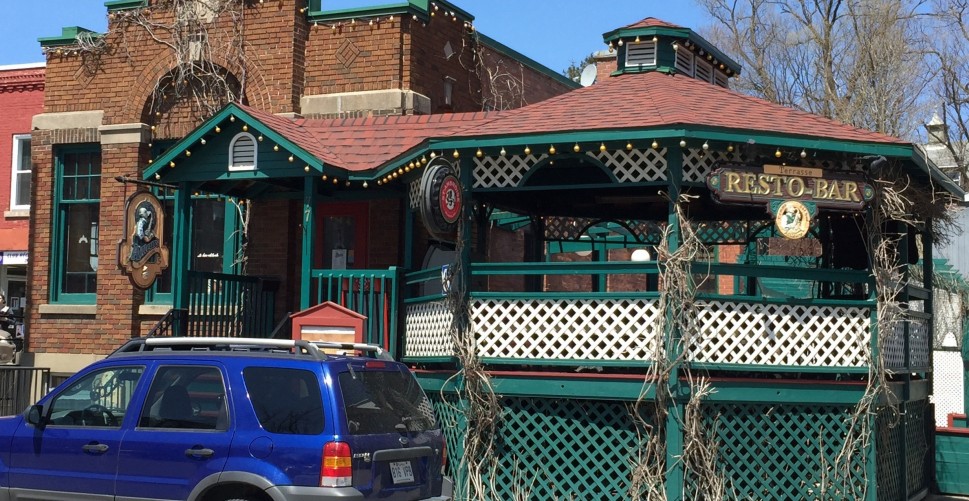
(553,32)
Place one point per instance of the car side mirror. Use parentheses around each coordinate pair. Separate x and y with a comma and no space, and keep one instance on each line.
(35,416)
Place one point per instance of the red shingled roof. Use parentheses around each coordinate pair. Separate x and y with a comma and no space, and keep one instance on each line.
(655,99)
(365,143)
(632,101)
(651,22)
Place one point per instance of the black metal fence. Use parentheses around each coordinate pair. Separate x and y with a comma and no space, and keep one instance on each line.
(21,387)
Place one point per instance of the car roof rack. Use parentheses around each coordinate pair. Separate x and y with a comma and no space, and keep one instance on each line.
(246,344)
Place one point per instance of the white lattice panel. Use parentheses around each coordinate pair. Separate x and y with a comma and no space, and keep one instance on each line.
(503,171)
(633,166)
(780,334)
(578,329)
(947,385)
(427,330)
(697,163)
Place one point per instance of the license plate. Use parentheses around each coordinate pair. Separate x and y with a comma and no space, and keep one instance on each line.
(401,472)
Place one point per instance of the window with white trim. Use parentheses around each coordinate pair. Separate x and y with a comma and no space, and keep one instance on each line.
(242,152)
(20,176)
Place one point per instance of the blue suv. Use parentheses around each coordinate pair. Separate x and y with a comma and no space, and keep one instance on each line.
(228,419)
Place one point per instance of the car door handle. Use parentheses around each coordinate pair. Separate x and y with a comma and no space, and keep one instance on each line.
(95,448)
(199,453)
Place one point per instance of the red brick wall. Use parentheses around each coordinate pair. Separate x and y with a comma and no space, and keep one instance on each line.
(120,81)
(509,83)
(430,64)
(275,247)
(21,97)
(356,57)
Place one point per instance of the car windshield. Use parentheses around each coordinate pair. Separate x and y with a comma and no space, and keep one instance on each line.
(384,402)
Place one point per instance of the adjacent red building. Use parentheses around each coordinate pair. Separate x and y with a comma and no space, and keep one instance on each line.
(21,97)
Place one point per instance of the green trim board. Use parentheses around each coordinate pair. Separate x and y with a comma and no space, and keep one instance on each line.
(280,168)
(68,36)
(716,137)
(549,385)
(420,8)
(631,387)
(115,5)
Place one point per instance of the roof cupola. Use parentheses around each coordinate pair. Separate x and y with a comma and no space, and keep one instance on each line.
(655,45)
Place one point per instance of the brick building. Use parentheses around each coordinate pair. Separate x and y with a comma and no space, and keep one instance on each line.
(116,100)
(21,97)
(626,263)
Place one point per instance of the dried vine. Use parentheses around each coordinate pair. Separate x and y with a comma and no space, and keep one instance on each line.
(190,33)
(678,328)
(890,205)
(502,87)
(478,403)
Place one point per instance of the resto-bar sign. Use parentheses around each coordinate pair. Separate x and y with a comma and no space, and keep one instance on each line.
(742,183)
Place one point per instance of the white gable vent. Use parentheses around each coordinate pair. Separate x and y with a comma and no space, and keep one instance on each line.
(641,54)
(242,152)
(684,62)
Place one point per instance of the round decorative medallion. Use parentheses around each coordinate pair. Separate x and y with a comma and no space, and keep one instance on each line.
(450,198)
(440,201)
(793,219)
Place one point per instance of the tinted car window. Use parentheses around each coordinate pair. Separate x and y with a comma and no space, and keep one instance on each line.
(186,397)
(378,402)
(285,400)
(97,399)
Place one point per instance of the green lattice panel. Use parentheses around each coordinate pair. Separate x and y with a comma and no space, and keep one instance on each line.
(916,446)
(572,449)
(781,451)
(447,409)
(555,449)
(888,429)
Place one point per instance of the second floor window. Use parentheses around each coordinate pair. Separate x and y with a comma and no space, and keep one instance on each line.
(20,177)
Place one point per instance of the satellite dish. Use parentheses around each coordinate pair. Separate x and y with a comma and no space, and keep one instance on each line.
(588,76)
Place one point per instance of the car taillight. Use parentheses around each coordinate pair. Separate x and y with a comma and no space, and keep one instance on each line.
(337,470)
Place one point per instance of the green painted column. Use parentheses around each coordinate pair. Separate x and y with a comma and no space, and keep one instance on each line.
(181,256)
(308,222)
(675,406)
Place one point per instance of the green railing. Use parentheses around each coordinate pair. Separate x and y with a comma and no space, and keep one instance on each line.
(371,293)
(224,305)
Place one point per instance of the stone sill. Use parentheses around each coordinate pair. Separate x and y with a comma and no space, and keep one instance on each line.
(17,214)
(69,309)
